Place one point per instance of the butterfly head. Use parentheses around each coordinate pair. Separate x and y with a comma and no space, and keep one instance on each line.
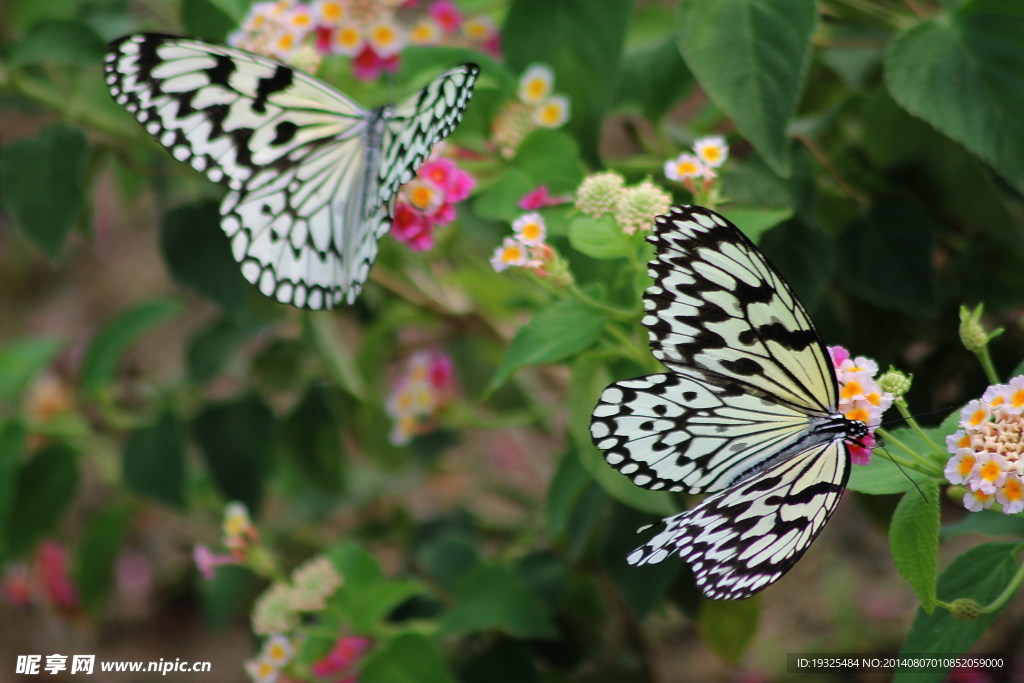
(855,431)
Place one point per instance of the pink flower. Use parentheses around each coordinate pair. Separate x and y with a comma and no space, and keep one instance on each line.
(207,561)
(324,34)
(861,454)
(839,354)
(456,183)
(412,229)
(345,653)
(539,198)
(52,560)
(368,65)
(446,15)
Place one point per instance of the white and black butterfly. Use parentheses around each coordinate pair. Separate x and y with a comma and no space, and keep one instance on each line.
(747,409)
(311,176)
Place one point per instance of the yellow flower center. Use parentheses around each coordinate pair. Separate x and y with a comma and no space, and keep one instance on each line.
(991,470)
(551,114)
(347,37)
(977,417)
(475,30)
(711,153)
(421,196)
(301,21)
(851,389)
(966,465)
(1013,489)
(332,11)
(1017,400)
(384,35)
(536,88)
(686,168)
(286,42)
(422,33)
(531,231)
(512,254)
(859,415)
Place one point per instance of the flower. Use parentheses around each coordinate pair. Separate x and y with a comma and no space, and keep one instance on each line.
(386,38)
(511,125)
(239,532)
(988,449)
(425,32)
(539,198)
(860,398)
(207,561)
(54,571)
(425,386)
(313,583)
(329,12)
(684,166)
(530,229)
(446,15)
(343,656)
(347,40)
(411,228)
(428,201)
(262,670)
(552,112)
(639,205)
(273,611)
(278,650)
(712,151)
(512,252)
(536,83)
(600,193)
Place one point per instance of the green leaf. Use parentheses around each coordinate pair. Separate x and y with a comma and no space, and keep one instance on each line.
(12,445)
(237,440)
(366,597)
(642,587)
(755,221)
(198,254)
(21,361)
(888,257)
(654,77)
(213,346)
(44,184)
(550,157)
(985,522)
(751,57)
(974,55)
(499,201)
(728,626)
(210,19)
(558,331)
(324,334)
(882,477)
(805,257)
(96,556)
(153,461)
(45,487)
(491,597)
(227,595)
(408,658)
(599,238)
(100,363)
(313,435)
(589,378)
(58,42)
(582,46)
(914,541)
(980,574)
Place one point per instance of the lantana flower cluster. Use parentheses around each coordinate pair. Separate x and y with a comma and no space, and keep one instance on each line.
(987,449)
(46,580)
(708,154)
(240,537)
(424,388)
(428,201)
(860,398)
(633,208)
(526,248)
(372,32)
(537,106)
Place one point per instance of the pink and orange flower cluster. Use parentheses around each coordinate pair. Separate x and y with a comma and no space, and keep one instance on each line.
(988,449)
(860,397)
(425,386)
(428,201)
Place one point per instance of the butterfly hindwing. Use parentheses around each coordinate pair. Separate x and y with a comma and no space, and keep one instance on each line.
(741,540)
(312,176)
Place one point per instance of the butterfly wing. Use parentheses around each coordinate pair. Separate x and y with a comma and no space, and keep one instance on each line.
(420,122)
(744,539)
(302,162)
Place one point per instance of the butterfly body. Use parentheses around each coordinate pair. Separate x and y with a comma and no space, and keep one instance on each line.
(311,176)
(747,411)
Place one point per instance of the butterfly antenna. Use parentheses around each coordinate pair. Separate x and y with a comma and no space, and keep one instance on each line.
(881,447)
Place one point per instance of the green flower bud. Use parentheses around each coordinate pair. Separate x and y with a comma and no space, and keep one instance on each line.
(972,335)
(600,193)
(895,382)
(639,206)
(966,609)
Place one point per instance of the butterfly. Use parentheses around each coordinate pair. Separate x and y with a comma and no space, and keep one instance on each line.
(747,410)
(311,176)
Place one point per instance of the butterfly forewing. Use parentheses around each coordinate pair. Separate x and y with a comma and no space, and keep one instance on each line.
(747,409)
(312,176)
(741,540)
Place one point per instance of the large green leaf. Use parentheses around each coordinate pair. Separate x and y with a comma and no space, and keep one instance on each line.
(198,254)
(21,361)
(100,362)
(963,72)
(980,574)
(728,626)
(408,658)
(654,77)
(58,41)
(914,540)
(490,597)
(44,488)
(313,434)
(558,331)
(96,555)
(582,45)
(12,445)
(751,57)
(44,184)
(153,461)
(238,440)
(366,596)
